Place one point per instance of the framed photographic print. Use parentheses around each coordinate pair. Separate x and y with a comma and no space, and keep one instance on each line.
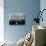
(17,19)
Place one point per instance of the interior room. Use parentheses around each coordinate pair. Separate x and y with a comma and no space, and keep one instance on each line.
(22,23)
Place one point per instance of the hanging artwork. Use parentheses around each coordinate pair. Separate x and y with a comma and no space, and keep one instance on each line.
(17,19)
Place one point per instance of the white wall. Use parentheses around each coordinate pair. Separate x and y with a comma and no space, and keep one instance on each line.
(1,21)
(43,6)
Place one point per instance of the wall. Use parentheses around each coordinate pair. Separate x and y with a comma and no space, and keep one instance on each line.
(43,6)
(30,7)
(1,21)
